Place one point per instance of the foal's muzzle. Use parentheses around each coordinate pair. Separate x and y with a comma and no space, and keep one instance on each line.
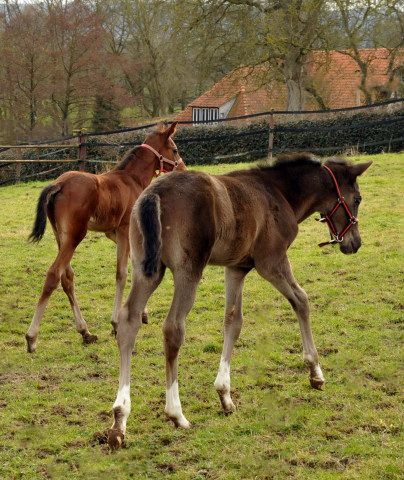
(350,246)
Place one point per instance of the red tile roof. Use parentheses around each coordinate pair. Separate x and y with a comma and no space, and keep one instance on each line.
(244,84)
(336,75)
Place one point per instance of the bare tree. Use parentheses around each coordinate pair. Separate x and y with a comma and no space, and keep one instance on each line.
(391,37)
(24,69)
(60,57)
(281,34)
(76,47)
(367,24)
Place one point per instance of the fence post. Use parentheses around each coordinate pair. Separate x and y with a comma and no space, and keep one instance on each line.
(82,150)
(18,166)
(271,135)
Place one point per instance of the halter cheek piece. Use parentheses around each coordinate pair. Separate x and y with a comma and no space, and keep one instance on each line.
(335,236)
(162,159)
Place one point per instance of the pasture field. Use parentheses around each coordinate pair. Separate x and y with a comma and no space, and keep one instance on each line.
(55,404)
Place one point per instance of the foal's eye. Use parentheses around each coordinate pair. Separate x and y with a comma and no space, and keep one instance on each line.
(357,200)
(175,150)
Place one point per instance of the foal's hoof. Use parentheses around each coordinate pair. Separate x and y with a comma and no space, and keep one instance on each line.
(183,423)
(229,409)
(89,338)
(317,383)
(180,421)
(31,344)
(226,401)
(115,439)
(145,318)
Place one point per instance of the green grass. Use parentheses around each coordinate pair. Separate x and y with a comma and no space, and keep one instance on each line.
(53,404)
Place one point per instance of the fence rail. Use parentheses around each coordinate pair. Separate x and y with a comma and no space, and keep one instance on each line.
(272,132)
(41,160)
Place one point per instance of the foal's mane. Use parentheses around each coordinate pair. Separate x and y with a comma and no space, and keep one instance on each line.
(337,161)
(286,161)
(126,159)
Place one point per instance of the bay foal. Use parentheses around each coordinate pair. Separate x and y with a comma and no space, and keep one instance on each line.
(242,220)
(77,202)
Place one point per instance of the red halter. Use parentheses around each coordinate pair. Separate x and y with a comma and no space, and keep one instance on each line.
(338,237)
(162,159)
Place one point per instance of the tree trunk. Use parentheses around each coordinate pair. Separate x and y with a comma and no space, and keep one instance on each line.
(294,78)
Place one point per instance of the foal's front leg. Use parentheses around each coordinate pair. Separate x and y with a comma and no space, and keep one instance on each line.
(122,256)
(281,277)
(233,321)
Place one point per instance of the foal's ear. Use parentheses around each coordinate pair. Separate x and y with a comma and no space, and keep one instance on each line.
(171,129)
(360,168)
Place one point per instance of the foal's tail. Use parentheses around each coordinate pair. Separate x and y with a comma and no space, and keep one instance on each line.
(150,224)
(45,199)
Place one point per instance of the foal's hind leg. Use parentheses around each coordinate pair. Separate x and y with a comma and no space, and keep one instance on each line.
(129,323)
(233,321)
(55,273)
(281,277)
(174,335)
(51,282)
(122,255)
(68,287)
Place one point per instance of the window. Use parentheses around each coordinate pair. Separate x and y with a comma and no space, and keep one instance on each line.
(208,115)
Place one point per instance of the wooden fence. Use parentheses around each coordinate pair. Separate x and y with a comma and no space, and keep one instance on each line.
(81,147)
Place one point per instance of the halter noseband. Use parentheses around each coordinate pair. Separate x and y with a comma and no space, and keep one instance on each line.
(337,237)
(162,159)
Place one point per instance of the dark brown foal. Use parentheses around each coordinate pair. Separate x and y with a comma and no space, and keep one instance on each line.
(242,220)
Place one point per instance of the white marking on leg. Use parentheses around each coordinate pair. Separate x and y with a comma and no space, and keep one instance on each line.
(81,325)
(173,406)
(222,381)
(318,374)
(123,403)
(315,370)
(307,358)
(34,327)
(32,334)
(123,397)
(222,385)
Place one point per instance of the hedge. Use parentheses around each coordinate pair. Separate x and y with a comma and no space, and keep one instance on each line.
(323,137)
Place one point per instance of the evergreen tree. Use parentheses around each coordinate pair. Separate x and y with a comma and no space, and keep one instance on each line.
(106,114)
